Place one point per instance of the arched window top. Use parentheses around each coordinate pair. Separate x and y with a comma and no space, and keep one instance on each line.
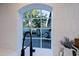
(36,6)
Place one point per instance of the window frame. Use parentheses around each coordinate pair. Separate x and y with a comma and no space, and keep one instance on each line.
(36,6)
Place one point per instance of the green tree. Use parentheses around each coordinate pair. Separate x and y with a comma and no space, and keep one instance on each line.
(36,18)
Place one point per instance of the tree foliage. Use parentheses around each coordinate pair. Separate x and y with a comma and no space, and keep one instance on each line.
(36,15)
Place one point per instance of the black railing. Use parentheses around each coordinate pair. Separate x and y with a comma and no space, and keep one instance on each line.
(23,48)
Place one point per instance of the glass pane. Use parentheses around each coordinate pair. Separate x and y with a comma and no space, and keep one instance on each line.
(46,19)
(45,14)
(46,23)
(36,33)
(36,13)
(26,32)
(46,43)
(36,43)
(46,33)
(27,43)
(36,23)
(26,18)
(26,23)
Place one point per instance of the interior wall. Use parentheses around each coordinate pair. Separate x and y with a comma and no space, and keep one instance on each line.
(9,28)
(65,21)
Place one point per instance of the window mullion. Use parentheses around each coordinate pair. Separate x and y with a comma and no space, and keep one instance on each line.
(41,30)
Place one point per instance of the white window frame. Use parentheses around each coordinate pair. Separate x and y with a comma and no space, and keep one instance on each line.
(20,22)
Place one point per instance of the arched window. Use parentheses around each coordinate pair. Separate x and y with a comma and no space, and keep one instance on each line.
(37,18)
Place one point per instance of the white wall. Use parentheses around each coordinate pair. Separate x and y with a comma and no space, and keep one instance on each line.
(65,24)
(66,21)
(8,28)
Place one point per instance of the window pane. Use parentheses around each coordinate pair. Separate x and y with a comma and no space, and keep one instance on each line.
(46,33)
(36,43)
(26,31)
(36,23)
(46,19)
(46,23)
(26,23)
(27,43)
(26,18)
(46,43)
(36,33)
(27,15)
(36,13)
(45,14)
